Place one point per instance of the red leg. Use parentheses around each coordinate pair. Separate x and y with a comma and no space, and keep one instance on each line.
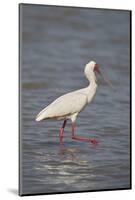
(62,130)
(73,132)
(92,140)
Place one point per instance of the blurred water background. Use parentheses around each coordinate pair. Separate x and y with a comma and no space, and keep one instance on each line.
(56,43)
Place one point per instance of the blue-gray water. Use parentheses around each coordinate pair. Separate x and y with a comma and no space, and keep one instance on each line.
(56,43)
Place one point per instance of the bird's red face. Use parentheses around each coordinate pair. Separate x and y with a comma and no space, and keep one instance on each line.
(96,68)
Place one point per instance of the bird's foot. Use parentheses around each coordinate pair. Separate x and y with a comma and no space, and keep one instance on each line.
(92,140)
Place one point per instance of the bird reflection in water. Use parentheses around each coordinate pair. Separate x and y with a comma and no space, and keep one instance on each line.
(72,154)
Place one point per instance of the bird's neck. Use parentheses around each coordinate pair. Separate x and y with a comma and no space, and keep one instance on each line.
(92,78)
(91,89)
(92,85)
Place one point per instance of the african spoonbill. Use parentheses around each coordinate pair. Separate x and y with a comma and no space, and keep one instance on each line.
(69,105)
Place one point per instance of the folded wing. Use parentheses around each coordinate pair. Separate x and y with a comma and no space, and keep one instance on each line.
(65,105)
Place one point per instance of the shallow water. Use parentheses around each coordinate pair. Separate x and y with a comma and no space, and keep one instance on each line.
(56,45)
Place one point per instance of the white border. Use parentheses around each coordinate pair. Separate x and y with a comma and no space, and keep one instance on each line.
(9,97)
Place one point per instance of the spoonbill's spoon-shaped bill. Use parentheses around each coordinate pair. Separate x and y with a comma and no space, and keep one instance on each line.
(105,79)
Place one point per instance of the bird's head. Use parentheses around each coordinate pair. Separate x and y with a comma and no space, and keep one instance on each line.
(92,66)
(90,70)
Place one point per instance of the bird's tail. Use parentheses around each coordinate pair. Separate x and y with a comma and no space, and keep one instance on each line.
(38,118)
(41,115)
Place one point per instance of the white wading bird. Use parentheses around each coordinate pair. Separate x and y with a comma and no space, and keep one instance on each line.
(68,106)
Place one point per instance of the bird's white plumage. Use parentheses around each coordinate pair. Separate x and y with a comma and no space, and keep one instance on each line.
(65,105)
(69,105)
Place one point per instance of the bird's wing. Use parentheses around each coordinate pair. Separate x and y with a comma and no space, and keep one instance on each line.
(63,106)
